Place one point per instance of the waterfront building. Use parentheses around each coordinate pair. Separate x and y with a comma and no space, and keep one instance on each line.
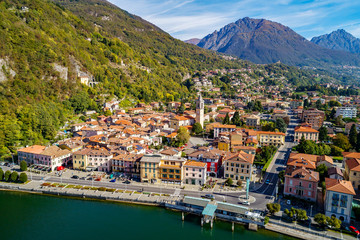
(211,156)
(149,168)
(238,166)
(301,183)
(30,154)
(338,199)
(100,159)
(171,169)
(80,159)
(128,164)
(194,173)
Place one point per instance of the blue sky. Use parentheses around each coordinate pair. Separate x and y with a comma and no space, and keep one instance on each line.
(186,19)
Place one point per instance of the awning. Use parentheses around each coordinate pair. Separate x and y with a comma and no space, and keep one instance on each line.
(60,168)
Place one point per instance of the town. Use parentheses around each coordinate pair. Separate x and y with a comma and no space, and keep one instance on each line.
(290,150)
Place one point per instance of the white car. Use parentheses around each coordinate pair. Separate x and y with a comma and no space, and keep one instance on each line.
(245,203)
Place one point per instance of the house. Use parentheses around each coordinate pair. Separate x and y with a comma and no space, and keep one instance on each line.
(301,183)
(252,121)
(180,121)
(212,158)
(80,159)
(352,172)
(171,169)
(238,166)
(338,199)
(54,157)
(171,152)
(224,144)
(30,154)
(310,161)
(194,173)
(128,164)
(306,132)
(335,173)
(271,138)
(149,168)
(100,159)
(219,128)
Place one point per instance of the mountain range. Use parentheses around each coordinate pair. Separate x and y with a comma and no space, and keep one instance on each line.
(263,41)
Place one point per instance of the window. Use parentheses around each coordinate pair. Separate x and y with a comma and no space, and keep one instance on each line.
(291,182)
(309,193)
(290,189)
(309,185)
(354,173)
(164,175)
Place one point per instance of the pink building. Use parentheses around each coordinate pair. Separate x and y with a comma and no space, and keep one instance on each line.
(301,183)
(100,159)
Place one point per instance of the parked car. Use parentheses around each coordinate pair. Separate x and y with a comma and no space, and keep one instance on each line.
(83,178)
(288,202)
(209,196)
(354,230)
(113,180)
(90,178)
(75,177)
(127,182)
(267,181)
(245,203)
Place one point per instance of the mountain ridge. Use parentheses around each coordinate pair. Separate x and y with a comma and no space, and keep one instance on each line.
(264,41)
(338,40)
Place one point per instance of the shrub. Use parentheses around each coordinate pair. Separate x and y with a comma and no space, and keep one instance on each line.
(14,176)
(229,182)
(273,207)
(7,175)
(23,165)
(1,174)
(23,177)
(266,220)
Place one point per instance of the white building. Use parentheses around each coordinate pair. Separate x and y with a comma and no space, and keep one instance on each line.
(200,110)
(346,112)
(194,173)
(338,199)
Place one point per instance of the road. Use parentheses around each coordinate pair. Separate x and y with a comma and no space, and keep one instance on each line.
(265,191)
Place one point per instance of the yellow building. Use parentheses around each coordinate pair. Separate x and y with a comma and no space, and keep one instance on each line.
(352,172)
(224,144)
(80,159)
(171,169)
(271,138)
(149,168)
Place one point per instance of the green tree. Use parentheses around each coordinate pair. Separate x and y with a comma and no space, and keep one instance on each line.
(7,175)
(197,128)
(23,165)
(183,135)
(342,141)
(14,176)
(323,134)
(322,170)
(181,109)
(226,119)
(321,219)
(332,114)
(281,125)
(282,176)
(266,220)
(273,208)
(353,135)
(268,126)
(334,222)
(358,142)
(107,113)
(1,174)
(23,177)
(229,182)
(236,119)
(336,151)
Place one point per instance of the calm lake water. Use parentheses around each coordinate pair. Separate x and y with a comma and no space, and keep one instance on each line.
(29,216)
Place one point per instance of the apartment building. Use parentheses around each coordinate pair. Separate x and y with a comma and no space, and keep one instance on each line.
(314,117)
(306,132)
(194,173)
(270,138)
(149,168)
(171,169)
(238,166)
(346,112)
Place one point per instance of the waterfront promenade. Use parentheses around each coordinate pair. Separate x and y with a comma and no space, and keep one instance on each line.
(152,198)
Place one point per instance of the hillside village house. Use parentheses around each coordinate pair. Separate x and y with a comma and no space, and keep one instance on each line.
(253,121)
(194,173)
(30,154)
(219,128)
(338,199)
